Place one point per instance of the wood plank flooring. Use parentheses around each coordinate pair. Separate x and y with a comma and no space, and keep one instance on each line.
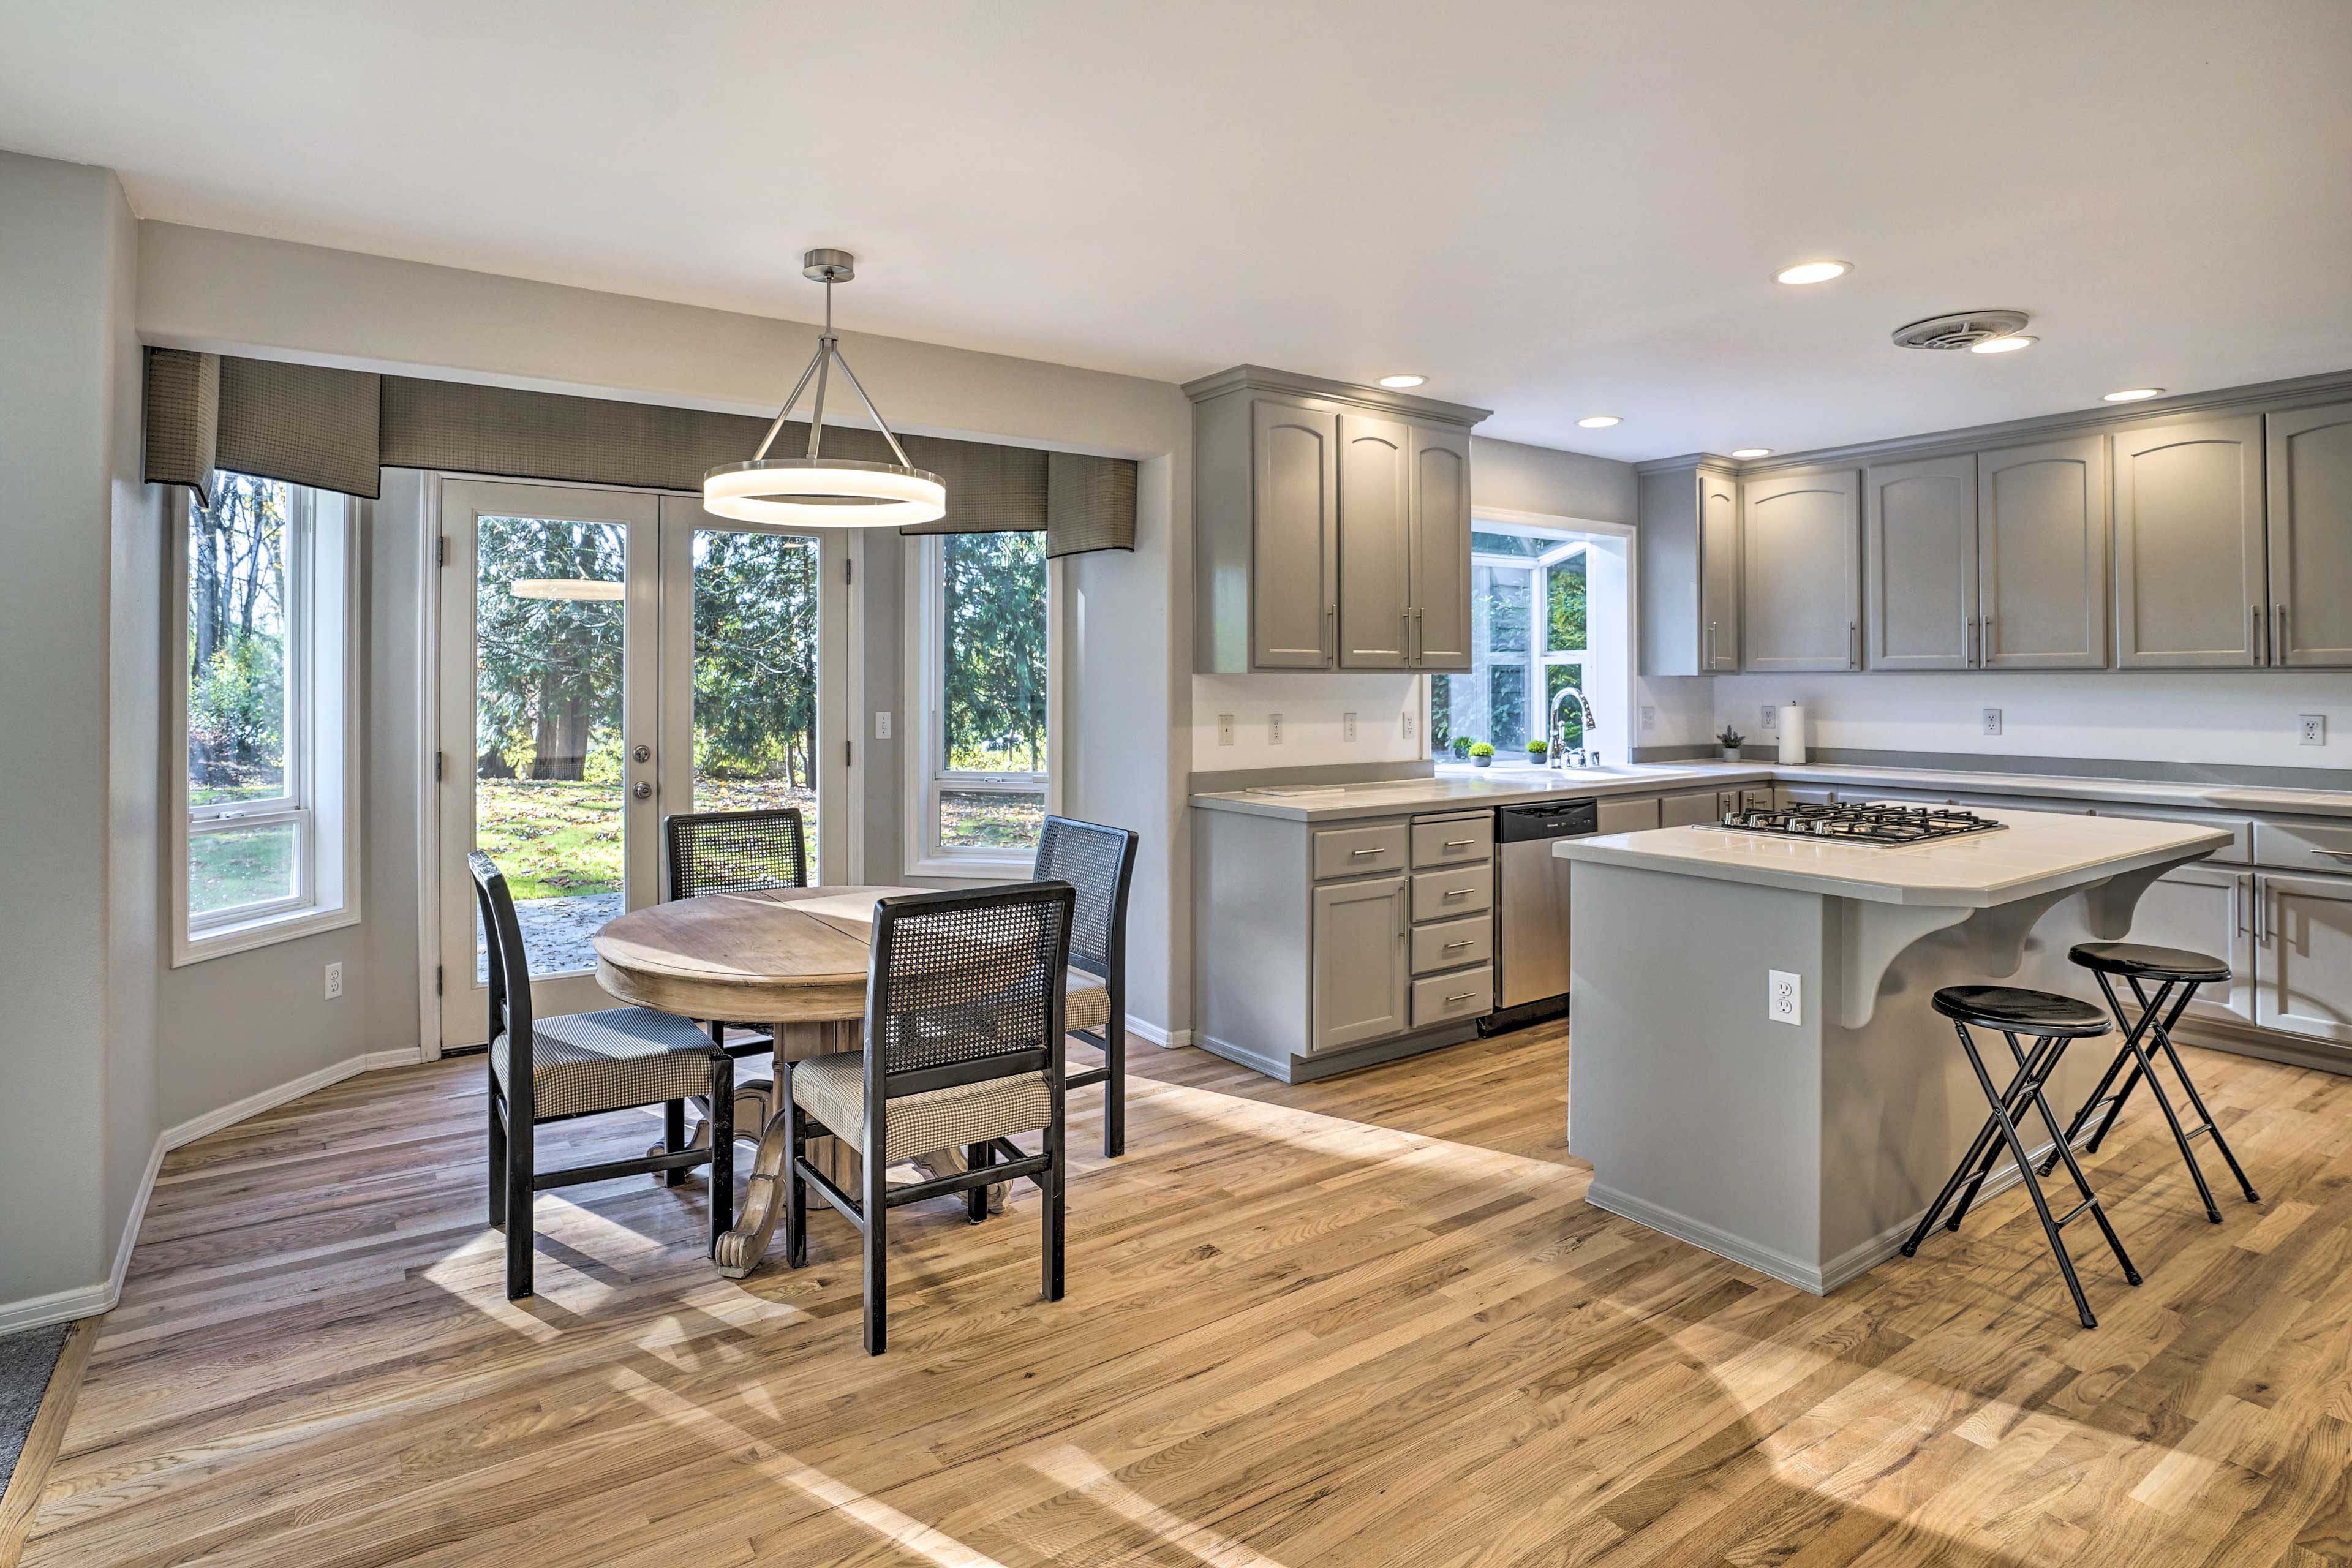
(1367,1321)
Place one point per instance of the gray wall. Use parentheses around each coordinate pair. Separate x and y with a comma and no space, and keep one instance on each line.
(1562,484)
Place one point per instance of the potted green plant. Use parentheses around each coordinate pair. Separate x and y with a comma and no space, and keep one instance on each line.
(1538,750)
(1482,755)
(1730,740)
(1461,747)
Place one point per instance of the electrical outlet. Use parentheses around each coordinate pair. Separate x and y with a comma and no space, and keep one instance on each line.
(1649,716)
(881,726)
(1406,717)
(334,980)
(2312,729)
(1992,721)
(1768,716)
(1224,729)
(1784,996)
(1348,728)
(1274,729)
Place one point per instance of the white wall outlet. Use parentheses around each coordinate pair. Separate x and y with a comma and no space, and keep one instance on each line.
(1992,721)
(1768,716)
(1348,728)
(334,980)
(1649,716)
(2312,729)
(1224,729)
(1784,996)
(1274,729)
(881,726)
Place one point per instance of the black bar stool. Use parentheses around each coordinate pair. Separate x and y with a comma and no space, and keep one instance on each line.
(2055,1022)
(2172,968)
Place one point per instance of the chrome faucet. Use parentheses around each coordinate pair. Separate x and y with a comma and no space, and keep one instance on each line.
(1586,755)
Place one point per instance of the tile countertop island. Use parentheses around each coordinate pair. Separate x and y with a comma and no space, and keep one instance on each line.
(1808,1149)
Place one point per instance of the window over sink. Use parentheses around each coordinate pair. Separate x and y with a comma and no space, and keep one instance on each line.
(1530,638)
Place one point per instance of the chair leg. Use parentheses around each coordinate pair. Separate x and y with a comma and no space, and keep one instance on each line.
(722,1147)
(876,1219)
(519,1234)
(498,1170)
(1114,1088)
(1053,1207)
(977,1157)
(673,1139)
(796,1188)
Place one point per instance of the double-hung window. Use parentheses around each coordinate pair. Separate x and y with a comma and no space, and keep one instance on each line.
(981,702)
(263,712)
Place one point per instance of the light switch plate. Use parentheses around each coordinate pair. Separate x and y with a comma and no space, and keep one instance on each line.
(1992,721)
(2311,729)
(1406,718)
(881,726)
(1274,729)
(1348,728)
(1224,729)
(1768,716)
(1784,996)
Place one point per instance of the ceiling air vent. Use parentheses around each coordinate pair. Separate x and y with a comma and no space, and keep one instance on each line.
(1965,329)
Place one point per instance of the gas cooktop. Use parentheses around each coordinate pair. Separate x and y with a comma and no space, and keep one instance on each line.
(1861,823)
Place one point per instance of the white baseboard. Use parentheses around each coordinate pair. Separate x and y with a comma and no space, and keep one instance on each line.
(89,1301)
(1144,1029)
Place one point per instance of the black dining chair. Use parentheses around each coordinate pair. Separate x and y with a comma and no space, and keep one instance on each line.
(965,1015)
(584,1064)
(1099,862)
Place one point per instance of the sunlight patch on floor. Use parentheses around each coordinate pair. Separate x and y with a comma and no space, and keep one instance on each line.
(1074,1467)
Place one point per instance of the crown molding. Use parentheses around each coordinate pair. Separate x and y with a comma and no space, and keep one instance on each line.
(1377,399)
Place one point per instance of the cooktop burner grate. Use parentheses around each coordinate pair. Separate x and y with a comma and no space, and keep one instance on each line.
(1862,823)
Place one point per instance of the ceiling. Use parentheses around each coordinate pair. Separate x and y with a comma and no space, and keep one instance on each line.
(1552,209)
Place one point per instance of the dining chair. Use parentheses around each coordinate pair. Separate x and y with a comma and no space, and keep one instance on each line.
(584,1064)
(1099,862)
(964,1013)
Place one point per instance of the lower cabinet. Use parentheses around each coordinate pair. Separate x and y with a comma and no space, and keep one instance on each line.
(1691,808)
(2303,937)
(2210,910)
(1361,964)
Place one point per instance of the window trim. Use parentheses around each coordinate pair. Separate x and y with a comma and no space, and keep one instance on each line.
(926,771)
(322,707)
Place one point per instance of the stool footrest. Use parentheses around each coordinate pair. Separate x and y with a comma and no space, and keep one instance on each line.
(2075,1213)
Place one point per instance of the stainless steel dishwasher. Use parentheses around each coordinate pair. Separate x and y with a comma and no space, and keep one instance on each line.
(1533,895)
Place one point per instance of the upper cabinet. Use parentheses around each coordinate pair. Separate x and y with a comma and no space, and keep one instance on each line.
(1800,574)
(2190,589)
(1688,542)
(2042,555)
(1919,563)
(2310,536)
(1332,526)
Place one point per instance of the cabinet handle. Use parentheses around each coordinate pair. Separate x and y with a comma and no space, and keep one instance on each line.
(1457,893)
(1461,995)
(2279,644)
(1329,648)
(1968,655)
(1984,642)
(2253,634)
(2344,855)
(1708,662)
(1420,641)
(1853,644)
(1450,946)
(1459,843)
(2261,913)
(2238,903)
(1379,851)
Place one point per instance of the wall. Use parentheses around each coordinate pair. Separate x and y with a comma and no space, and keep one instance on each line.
(1313,708)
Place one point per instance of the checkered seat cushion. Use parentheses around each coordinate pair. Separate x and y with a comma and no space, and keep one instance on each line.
(583,1062)
(1087,1002)
(832,1089)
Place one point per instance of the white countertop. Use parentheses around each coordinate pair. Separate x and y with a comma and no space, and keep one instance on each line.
(2038,852)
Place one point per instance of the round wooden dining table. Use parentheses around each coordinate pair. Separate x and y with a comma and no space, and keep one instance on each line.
(793,959)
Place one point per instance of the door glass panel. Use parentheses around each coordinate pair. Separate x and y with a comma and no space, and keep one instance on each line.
(755,674)
(548,786)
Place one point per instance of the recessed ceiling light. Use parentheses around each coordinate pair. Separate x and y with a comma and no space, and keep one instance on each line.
(1813,272)
(1598,421)
(2133,395)
(1751,451)
(2007,346)
(1399,383)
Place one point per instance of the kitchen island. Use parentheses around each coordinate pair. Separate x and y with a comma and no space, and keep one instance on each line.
(1808,1149)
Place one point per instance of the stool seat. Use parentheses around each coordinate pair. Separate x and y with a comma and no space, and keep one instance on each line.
(2148,963)
(2042,1013)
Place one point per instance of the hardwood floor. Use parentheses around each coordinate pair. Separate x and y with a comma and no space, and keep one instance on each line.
(1365,1321)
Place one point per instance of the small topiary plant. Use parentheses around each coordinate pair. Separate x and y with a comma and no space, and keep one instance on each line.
(1538,749)
(1461,746)
(1481,749)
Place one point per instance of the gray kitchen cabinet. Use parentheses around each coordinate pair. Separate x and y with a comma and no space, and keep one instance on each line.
(1453,998)
(2191,588)
(1375,541)
(1618,814)
(2302,935)
(2042,555)
(1800,572)
(1689,808)
(2310,532)
(1332,526)
(1919,563)
(1361,965)
(2205,909)
(1688,543)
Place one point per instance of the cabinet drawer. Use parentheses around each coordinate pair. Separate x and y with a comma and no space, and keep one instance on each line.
(1450,945)
(1450,998)
(1689,809)
(2298,847)
(1454,891)
(1629,816)
(1358,851)
(1452,840)
(2239,851)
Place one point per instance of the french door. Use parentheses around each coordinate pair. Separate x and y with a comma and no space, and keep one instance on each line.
(608,658)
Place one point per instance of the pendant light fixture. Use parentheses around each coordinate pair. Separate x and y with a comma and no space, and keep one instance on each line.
(816,490)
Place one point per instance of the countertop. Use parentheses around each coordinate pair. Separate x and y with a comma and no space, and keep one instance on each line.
(1516,786)
(2038,852)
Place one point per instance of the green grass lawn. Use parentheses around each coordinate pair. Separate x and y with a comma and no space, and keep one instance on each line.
(239,865)
(562,837)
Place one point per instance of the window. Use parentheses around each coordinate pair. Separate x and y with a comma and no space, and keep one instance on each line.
(263,708)
(983,679)
(1529,641)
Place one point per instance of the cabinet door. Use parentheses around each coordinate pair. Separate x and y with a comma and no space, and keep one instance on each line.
(1801,579)
(2189,545)
(1294,565)
(1919,563)
(2304,935)
(1690,808)
(2310,536)
(1441,549)
(2042,555)
(1719,572)
(1375,599)
(1621,815)
(1360,968)
(2204,909)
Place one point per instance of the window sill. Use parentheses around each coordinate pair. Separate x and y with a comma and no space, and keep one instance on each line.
(961,869)
(222,941)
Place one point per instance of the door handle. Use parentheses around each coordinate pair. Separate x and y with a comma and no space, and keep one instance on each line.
(2279,645)
(2254,634)
(642,790)
(642,753)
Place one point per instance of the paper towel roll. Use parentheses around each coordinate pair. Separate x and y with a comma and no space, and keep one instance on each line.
(1792,733)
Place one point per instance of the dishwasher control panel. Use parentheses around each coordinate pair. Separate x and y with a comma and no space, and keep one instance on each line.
(1551,819)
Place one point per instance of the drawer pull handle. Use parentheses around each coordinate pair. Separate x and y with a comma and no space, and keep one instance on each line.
(1382,852)
(1460,842)
(1457,893)
(2335,854)
(1450,946)
(1462,995)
